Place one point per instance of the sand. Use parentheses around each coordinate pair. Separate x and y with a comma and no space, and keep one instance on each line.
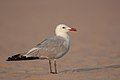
(95,47)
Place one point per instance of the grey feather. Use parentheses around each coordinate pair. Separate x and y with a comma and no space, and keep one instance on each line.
(52,48)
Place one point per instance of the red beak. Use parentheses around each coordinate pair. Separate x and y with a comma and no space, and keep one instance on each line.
(72,29)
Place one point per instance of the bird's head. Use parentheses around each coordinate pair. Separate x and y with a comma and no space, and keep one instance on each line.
(62,28)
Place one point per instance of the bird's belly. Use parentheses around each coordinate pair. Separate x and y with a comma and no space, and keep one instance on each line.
(61,54)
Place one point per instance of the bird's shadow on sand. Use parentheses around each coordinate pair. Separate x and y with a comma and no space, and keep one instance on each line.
(90,69)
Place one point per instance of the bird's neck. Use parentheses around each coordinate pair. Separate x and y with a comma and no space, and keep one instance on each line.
(64,35)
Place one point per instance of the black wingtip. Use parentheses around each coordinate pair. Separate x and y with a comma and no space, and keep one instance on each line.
(19,57)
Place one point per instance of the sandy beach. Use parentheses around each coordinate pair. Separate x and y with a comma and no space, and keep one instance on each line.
(95,47)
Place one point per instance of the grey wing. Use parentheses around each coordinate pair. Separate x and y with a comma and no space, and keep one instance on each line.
(50,47)
(51,42)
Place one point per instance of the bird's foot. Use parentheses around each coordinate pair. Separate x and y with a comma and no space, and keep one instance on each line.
(53,72)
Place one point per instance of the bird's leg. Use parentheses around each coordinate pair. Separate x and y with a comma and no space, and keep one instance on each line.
(50,66)
(55,65)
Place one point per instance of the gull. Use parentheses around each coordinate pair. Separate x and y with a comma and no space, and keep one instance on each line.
(51,48)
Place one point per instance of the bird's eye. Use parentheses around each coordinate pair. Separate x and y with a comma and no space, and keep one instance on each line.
(63,27)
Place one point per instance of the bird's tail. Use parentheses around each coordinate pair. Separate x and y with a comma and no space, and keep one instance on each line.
(28,56)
